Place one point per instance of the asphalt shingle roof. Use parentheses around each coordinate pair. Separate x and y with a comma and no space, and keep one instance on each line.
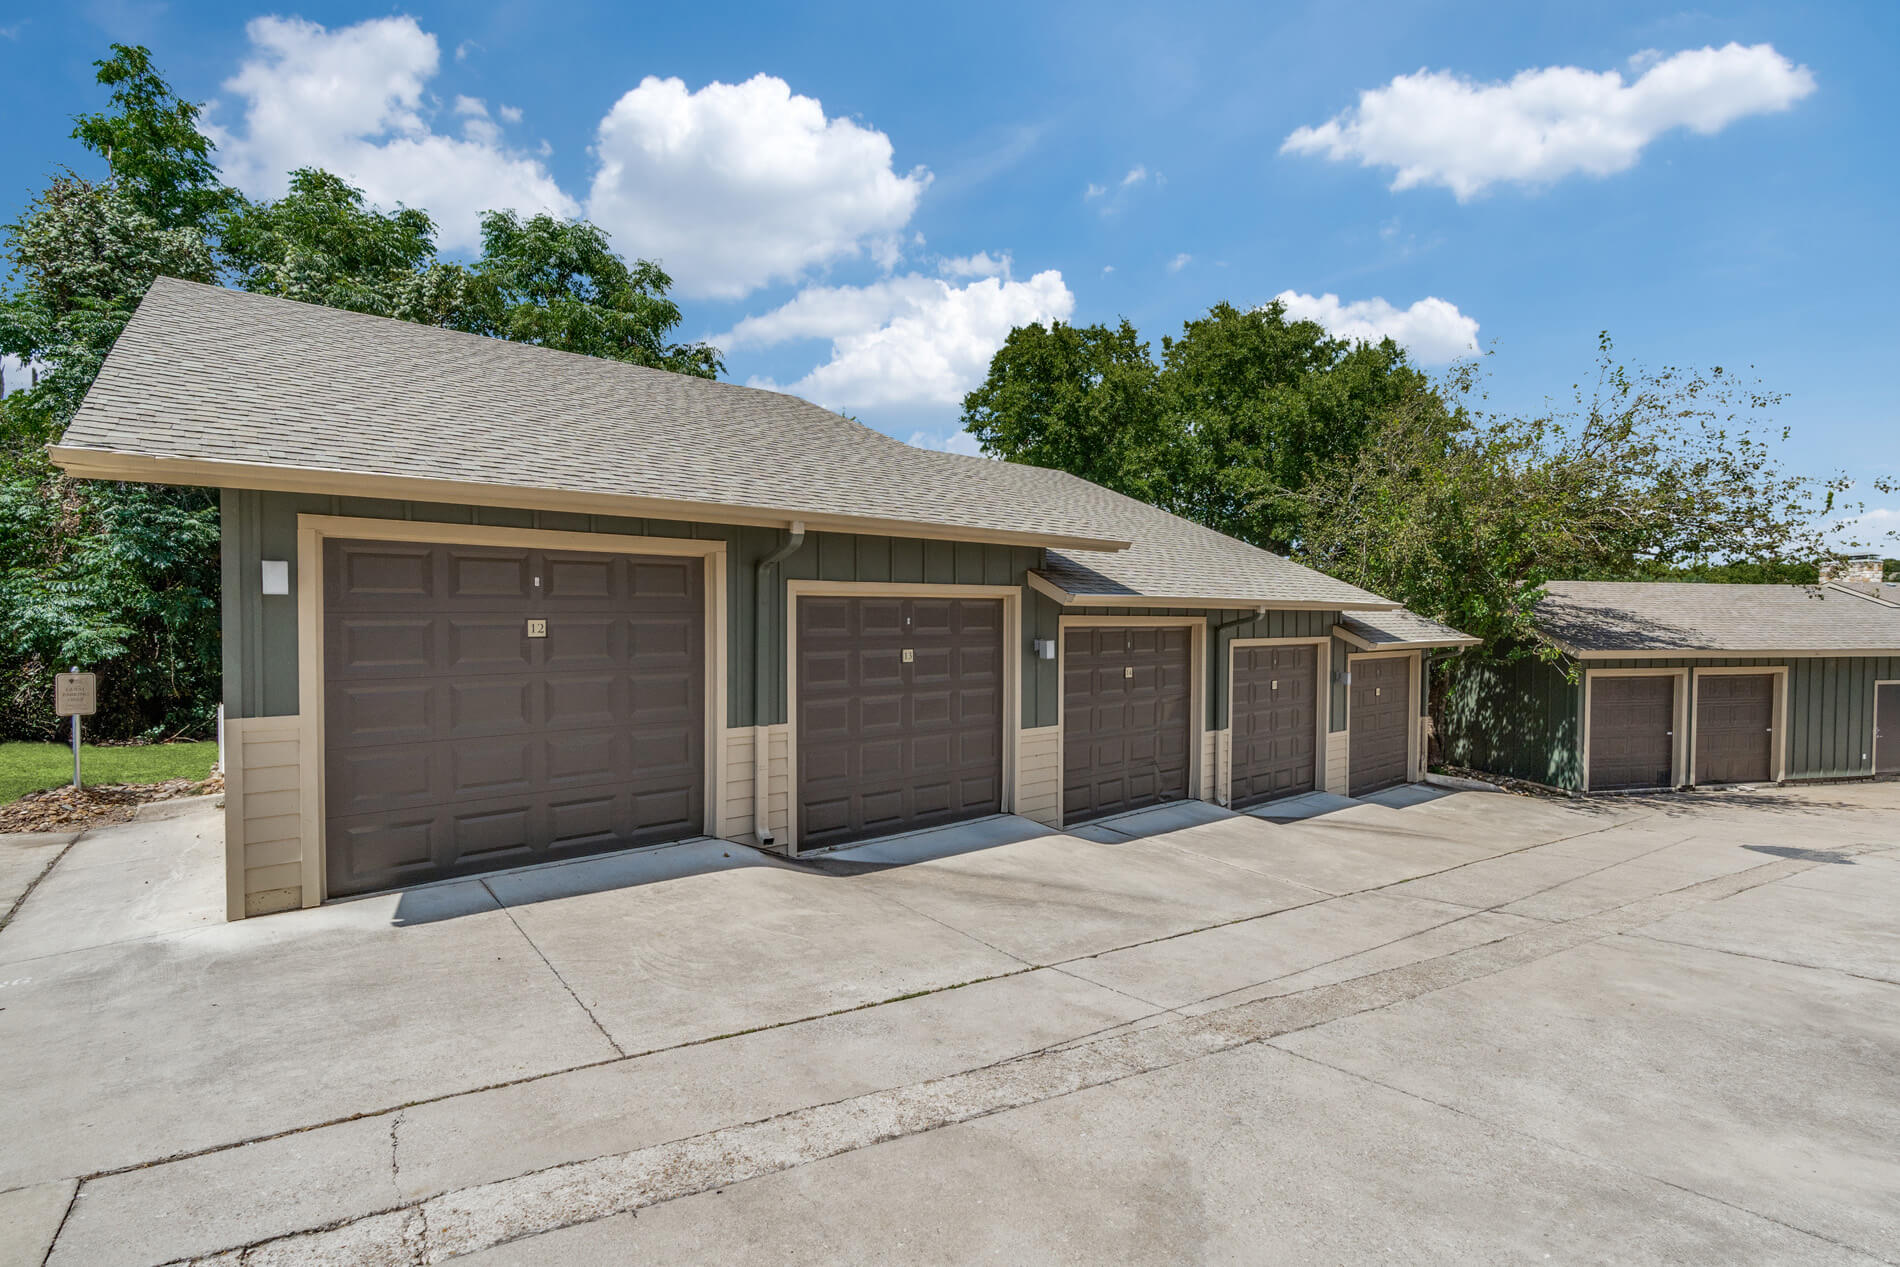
(1609,616)
(207,374)
(232,381)
(1403,628)
(1176,558)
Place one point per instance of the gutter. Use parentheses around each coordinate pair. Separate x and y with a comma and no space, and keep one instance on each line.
(761,666)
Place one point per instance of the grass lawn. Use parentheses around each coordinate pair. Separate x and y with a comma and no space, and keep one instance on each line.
(28,767)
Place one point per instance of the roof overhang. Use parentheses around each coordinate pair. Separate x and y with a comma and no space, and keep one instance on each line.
(1730,653)
(105,464)
(1229,602)
(1410,644)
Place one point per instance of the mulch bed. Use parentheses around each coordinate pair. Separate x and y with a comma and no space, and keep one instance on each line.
(70,809)
(1518,786)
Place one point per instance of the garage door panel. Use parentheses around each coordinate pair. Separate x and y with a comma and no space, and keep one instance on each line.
(1274,722)
(486,644)
(889,745)
(484,574)
(589,699)
(532,747)
(481,705)
(386,573)
(1126,718)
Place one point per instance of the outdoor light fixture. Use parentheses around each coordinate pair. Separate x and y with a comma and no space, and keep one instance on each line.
(277,576)
(1045,648)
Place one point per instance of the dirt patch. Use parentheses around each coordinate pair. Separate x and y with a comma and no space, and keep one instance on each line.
(69,808)
(1519,787)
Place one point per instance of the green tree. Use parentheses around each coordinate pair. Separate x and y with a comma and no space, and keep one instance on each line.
(559,284)
(321,243)
(121,577)
(1465,514)
(1261,404)
(159,159)
(1081,399)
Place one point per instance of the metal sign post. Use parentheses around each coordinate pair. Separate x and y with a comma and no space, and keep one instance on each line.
(75,695)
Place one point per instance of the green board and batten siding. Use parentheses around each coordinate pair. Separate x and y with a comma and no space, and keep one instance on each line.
(260,632)
(1522,719)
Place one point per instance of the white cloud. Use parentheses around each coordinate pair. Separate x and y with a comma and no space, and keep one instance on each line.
(352,100)
(734,186)
(509,114)
(1180,262)
(1432,329)
(1093,190)
(1437,128)
(1107,269)
(982,264)
(1135,176)
(956,442)
(1877,528)
(910,340)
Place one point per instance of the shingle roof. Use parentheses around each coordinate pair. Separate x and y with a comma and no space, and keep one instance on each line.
(1663,616)
(207,375)
(1172,558)
(221,387)
(1392,630)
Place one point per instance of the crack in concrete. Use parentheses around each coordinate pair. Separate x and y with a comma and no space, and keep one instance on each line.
(20,901)
(571,1193)
(503,907)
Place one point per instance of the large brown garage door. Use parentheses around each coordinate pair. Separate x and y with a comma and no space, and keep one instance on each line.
(455,742)
(1126,724)
(1632,724)
(1275,721)
(900,715)
(1380,718)
(1734,720)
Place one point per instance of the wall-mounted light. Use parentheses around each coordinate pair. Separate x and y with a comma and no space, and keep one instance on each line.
(1342,677)
(1045,648)
(277,576)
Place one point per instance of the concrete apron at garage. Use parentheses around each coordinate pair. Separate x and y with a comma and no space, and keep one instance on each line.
(445,1069)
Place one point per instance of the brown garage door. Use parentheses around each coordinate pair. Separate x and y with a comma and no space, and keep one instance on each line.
(1632,723)
(455,743)
(1734,720)
(1126,722)
(1274,723)
(900,715)
(1380,719)
(1887,728)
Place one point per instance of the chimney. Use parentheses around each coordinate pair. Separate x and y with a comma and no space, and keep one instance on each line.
(1862,568)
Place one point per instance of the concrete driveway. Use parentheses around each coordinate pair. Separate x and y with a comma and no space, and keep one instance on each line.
(1446,1026)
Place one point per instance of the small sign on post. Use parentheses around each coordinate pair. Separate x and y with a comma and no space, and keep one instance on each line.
(75,695)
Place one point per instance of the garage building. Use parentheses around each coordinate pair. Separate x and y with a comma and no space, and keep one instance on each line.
(488,605)
(1679,684)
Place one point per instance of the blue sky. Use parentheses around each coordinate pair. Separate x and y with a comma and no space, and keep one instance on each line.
(859,200)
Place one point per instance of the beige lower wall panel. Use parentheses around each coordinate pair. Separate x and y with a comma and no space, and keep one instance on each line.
(263,815)
(1214,747)
(1338,750)
(1039,775)
(778,779)
(737,794)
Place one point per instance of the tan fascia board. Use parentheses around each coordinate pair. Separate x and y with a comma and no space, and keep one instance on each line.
(1423,644)
(1726,653)
(1043,585)
(144,468)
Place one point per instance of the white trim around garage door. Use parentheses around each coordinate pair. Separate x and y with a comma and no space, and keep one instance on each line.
(313,530)
(1197,681)
(1414,750)
(1679,750)
(1012,669)
(1778,724)
(1322,683)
